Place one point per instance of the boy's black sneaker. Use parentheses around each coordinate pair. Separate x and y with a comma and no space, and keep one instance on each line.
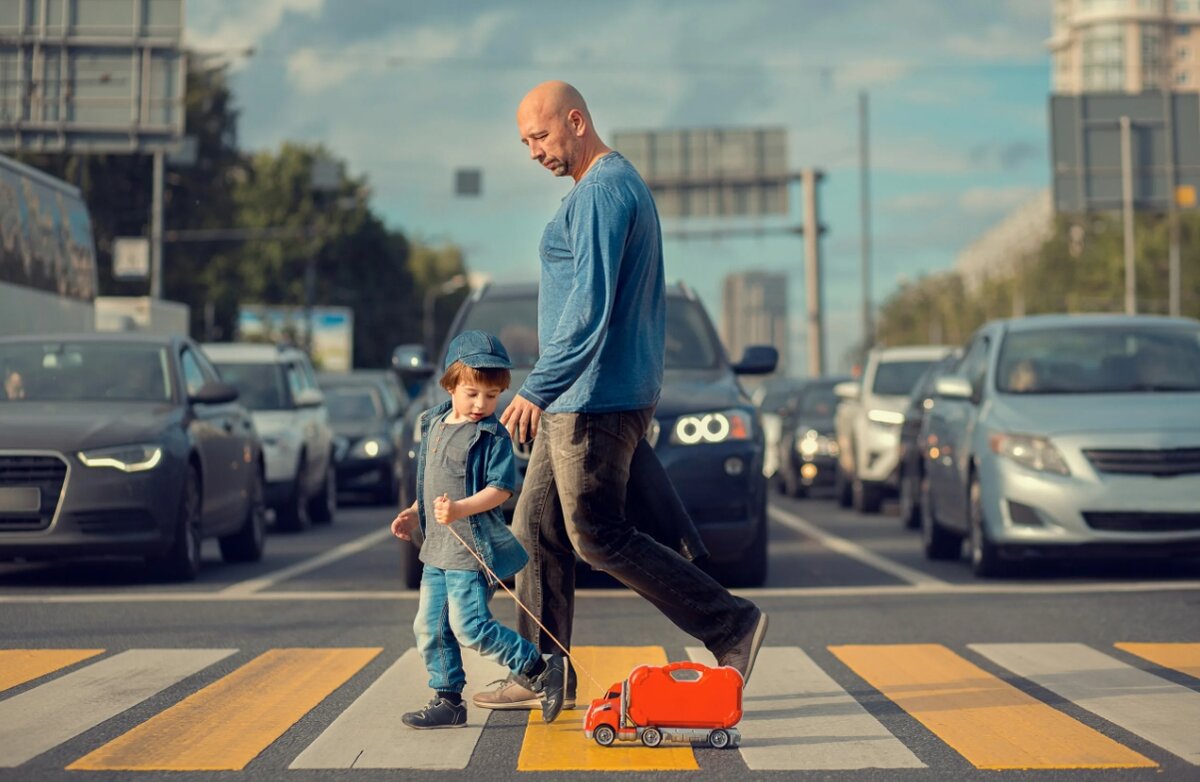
(550,684)
(439,713)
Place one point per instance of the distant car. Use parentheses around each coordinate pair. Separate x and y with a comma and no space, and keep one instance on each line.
(278,385)
(912,468)
(1065,435)
(706,431)
(124,445)
(366,409)
(775,397)
(808,448)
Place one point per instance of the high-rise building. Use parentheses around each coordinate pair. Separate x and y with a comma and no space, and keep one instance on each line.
(755,312)
(1125,45)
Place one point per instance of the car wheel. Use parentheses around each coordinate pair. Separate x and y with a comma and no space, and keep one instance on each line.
(293,516)
(247,544)
(322,507)
(867,496)
(910,508)
(182,560)
(938,542)
(651,737)
(604,736)
(841,487)
(718,739)
(985,557)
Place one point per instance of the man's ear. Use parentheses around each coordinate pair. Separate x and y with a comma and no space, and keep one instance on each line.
(577,121)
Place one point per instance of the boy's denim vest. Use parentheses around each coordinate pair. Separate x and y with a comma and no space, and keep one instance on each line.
(489,463)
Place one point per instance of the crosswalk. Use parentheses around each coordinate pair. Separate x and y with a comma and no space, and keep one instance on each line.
(997,705)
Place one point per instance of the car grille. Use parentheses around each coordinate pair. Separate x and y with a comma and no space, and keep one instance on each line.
(114,522)
(45,472)
(1177,461)
(1142,522)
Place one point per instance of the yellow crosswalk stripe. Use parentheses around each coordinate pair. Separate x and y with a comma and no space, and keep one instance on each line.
(561,745)
(1181,657)
(18,666)
(225,725)
(986,720)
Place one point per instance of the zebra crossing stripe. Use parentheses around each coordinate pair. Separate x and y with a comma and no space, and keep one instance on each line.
(796,718)
(39,719)
(18,666)
(988,721)
(1162,712)
(225,725)
(369,733)
(561,745)
(1184,658)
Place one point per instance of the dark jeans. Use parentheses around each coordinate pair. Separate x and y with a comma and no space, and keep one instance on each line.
(573,500)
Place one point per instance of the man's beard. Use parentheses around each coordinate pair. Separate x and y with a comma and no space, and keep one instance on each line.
(562,168)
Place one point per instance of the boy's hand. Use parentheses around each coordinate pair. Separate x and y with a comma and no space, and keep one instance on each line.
(405,523)
(443,509)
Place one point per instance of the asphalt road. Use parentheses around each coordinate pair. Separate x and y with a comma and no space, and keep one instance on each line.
(874,658)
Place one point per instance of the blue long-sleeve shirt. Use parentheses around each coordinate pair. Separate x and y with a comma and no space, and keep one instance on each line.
(601,302)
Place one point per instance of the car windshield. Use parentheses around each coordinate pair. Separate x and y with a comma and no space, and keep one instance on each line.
(818,402)
(1100,360)
(84,371)
(260,386)
(353,404)
(897,378)
(689,340)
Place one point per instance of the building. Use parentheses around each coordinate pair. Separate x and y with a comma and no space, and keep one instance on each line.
(1000,250)
(1125,45)
(754,312)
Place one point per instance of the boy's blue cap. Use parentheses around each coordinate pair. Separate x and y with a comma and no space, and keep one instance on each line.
(478,350)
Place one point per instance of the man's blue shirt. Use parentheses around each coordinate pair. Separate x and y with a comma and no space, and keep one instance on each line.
(601,304)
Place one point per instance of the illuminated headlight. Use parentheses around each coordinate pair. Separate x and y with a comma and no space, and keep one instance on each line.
(1036,453)
(712,428)
(126,458)
(370,447)
(812,443)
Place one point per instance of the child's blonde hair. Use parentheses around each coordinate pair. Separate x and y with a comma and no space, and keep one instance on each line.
(487,377)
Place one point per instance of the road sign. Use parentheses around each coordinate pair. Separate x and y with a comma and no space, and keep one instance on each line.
(131,258)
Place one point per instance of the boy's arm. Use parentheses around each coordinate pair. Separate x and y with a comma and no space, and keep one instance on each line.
(480,502)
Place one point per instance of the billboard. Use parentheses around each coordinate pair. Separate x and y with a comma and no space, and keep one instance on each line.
(332,330)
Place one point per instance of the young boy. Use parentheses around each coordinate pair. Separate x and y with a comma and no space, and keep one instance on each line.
(465,471)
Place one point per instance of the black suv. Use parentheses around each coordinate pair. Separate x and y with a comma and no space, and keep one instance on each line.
(706,430)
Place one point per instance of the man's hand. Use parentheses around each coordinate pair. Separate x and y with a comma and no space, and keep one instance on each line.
(444,510)
(521,419)
(405,523)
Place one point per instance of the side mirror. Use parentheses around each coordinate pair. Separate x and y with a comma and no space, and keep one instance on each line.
(214,393)
(757,360)
(310,397)
(953,387)
(847,389)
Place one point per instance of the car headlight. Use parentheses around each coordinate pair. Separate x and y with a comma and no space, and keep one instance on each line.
(1036,453)
(813,443)
(708,428)
(370,447)
(126,458)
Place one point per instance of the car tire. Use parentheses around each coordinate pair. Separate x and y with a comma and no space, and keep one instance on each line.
(181,562)
(937,541)
(247,544)
(910,505)
(985,556)
(867,496)
(841,487)
(323,506)
(652,737)
(604,735)
(718,739)
(293,515)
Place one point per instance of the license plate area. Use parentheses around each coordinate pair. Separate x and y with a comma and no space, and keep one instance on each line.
(20,499)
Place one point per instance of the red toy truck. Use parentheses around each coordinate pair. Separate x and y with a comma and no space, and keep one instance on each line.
(683,702)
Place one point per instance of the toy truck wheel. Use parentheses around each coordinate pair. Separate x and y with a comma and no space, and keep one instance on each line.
(604,736)
(651,737)
(718,739)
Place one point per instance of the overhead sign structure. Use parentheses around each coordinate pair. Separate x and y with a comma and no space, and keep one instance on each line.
(87,76)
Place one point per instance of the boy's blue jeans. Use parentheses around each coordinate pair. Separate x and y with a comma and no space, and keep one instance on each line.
(453,610)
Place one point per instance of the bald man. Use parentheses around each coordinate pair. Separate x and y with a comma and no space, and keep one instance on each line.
(590,400)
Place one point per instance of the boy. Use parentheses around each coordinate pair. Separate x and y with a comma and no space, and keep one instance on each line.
(465,471)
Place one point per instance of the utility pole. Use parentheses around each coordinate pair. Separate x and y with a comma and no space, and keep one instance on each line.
(812,274)
(156,227)
(1127,207)
(864,166)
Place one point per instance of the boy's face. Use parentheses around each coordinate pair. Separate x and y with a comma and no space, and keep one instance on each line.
(474,400)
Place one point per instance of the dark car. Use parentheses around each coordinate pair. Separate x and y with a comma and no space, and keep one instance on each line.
(366,410)
(706,431)
(912,466)
(808,448)
(125,445)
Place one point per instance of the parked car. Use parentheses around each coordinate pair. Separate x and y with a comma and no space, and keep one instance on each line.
(366,410)
(1062,435)
(278,385)
(124,445)
(808,447)
(868,421)
(912,468)
(707,433)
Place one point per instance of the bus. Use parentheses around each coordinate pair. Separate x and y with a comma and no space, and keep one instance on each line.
(48,274)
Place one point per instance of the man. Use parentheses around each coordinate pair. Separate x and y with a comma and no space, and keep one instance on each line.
(590,399)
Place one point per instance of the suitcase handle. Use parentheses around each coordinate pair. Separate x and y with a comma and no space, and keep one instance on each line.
(686,665)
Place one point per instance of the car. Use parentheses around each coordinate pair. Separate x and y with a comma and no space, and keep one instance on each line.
(808,448)
(125,445)
(775,397)
(706,431)
(920,401)
(868,421)
(277,383)
(366,410)
(1063,436)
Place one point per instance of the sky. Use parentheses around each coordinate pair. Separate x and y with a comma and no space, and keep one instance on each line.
(409,93)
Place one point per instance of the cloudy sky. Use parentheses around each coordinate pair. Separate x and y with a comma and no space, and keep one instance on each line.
(410,92)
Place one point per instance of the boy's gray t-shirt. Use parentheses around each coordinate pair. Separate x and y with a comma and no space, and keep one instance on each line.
(445,473)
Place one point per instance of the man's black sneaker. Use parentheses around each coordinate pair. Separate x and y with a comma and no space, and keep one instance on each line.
(742,655)
(550,684)
(439,713)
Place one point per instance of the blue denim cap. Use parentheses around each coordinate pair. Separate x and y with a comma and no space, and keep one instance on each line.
(478,350)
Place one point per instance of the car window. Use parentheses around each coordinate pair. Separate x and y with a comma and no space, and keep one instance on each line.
(818,402)
(193,375)
(295,378)
(897,378)
(260,386)
(348,403)
(84,371)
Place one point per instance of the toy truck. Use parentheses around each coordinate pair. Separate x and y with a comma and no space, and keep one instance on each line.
(682,702)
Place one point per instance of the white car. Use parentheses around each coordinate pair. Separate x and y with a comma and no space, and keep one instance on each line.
(278,385)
